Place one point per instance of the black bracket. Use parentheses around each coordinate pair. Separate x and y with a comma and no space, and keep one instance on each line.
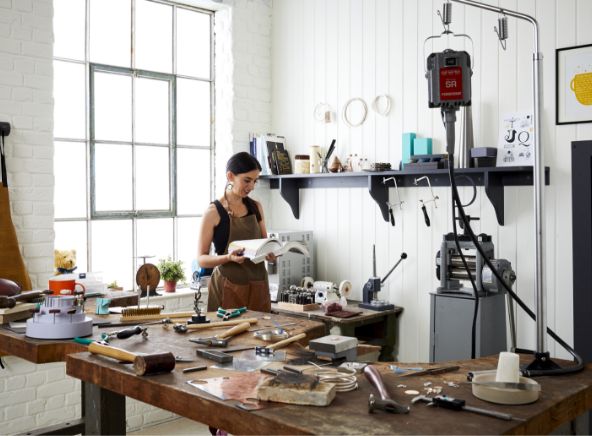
(4,128)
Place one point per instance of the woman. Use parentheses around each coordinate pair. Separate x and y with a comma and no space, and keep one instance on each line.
(236,281)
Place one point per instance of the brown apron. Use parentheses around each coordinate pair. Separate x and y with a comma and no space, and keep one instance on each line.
(236,285)
(12,266)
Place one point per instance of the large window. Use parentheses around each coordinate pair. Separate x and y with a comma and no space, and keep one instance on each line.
(133,130)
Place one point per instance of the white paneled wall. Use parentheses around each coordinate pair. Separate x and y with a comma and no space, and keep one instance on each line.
(333,50)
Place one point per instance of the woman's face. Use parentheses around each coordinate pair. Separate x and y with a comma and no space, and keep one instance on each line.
(243,184)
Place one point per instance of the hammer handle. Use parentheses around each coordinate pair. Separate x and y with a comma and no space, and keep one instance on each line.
(221,324)
(239,328)
(375,379)
(114,352)
(10,302)
(285,342)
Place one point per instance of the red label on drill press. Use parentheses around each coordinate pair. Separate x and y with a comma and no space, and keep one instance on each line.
(451,87)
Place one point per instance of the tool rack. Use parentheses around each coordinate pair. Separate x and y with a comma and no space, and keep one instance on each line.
(494,180)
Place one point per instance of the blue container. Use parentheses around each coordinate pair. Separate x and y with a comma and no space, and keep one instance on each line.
(408,139)
(422,146)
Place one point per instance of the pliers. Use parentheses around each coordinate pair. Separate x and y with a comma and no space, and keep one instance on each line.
(230,313)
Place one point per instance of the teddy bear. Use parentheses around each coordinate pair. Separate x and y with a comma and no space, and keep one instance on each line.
(64,261)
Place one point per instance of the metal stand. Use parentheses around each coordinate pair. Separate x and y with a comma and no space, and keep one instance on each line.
(538,169)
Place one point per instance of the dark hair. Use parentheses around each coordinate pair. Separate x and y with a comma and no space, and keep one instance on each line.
(242,162)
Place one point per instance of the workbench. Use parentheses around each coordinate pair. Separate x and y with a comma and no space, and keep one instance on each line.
(371,326)
(563,398)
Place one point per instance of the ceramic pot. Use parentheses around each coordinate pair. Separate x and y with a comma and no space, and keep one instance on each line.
(170,286)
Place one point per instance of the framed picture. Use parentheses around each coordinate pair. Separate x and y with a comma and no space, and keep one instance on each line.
(574,84)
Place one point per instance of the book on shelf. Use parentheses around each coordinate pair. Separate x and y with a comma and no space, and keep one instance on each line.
(257,249)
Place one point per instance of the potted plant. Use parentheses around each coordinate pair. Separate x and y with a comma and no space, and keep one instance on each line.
(171,271)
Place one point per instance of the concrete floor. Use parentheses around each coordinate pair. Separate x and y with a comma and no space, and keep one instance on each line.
(181,426)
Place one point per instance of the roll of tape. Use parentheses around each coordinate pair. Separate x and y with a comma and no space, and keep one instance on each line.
(345,288)
(307,282)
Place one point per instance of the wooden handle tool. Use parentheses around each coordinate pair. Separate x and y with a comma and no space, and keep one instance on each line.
(285,342)
(221,324)
(144,364)
(10,302)
(136,318)
(239,328)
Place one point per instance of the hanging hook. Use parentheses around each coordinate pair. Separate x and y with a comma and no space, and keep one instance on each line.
(502,32)
(446,16)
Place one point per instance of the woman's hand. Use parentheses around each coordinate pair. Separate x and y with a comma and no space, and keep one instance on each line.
(271,258)
(237,255)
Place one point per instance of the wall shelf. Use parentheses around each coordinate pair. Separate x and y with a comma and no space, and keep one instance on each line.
(493,179)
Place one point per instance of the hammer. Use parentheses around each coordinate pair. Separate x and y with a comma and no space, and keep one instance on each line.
(144,364)
(270,349)
(385,403)
(10,302)
(221,340)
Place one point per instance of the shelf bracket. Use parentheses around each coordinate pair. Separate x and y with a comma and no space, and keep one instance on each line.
(379,192)
(290,191)
(495,192)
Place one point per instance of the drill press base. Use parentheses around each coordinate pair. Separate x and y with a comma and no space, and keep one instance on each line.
(377,305)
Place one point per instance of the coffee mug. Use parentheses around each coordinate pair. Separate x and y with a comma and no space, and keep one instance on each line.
(64,287)
(581,85)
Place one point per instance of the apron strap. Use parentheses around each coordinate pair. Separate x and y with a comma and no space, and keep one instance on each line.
(3,161)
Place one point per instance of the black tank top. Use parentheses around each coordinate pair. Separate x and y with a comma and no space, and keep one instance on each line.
(222,230)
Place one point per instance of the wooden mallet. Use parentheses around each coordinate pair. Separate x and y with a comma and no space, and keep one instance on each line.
(144,364)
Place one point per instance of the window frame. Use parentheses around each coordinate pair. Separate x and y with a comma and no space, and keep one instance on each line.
(89,142)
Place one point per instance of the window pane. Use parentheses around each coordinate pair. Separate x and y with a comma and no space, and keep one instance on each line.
(155,238)
(111,244)
(193,43)
(69,167)
(113,107)
(193,112)
(69,102)
(71,235)
(152,178)
(152,111)
(69,17)
(110,32)
(188,233)
(113,177)
(154,36)
(193,180)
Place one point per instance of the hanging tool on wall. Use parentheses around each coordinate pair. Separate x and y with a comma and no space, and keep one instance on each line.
(399,202)
(423,202)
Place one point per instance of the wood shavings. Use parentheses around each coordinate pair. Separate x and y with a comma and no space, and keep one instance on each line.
(401,386)
(426,384)
(411,392)
(452,384)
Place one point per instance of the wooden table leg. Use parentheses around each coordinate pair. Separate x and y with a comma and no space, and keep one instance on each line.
(104,411)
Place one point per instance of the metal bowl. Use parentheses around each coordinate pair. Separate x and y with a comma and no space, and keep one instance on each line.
(272,335)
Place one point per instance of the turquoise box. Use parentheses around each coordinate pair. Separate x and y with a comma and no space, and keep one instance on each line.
(408,139)
(422,146)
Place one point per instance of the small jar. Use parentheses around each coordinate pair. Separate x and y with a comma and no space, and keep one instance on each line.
(301,164)
(315,159)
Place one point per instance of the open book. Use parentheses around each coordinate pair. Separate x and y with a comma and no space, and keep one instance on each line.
(258,249)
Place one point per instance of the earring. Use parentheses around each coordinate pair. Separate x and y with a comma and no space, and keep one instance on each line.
(229,186)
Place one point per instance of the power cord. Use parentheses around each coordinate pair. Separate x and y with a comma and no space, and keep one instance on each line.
(527,372)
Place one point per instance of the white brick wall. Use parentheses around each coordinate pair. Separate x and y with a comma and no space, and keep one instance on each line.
(30,394)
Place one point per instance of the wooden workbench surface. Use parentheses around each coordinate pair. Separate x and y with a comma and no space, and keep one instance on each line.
(319,314)
(562,399)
